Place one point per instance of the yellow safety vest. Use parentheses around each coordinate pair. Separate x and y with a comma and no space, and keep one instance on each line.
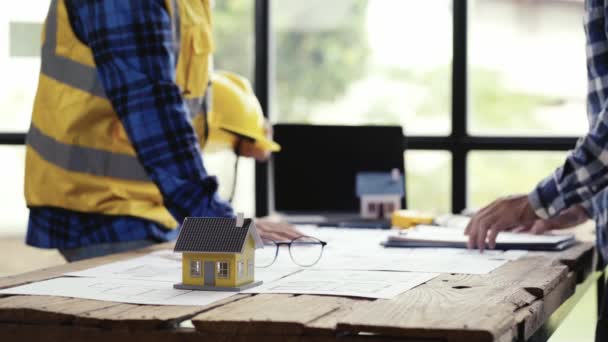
(79,156)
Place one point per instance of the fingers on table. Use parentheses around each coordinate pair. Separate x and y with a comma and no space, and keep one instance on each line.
(540,227)
(279,231)
(483,228)
(522,228)
(271,236)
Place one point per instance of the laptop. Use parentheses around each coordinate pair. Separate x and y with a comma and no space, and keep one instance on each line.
(314,174)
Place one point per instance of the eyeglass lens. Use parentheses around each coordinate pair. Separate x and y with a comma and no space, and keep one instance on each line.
(266,256)
(306,251)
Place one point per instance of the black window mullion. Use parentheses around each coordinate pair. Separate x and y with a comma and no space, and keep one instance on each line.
(491,143)
(459,105)
(262,91)
(12,138)
(459,143)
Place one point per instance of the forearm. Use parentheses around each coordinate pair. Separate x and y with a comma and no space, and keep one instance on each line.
(582,176)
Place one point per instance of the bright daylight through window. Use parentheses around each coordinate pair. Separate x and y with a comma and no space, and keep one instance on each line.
(365,62)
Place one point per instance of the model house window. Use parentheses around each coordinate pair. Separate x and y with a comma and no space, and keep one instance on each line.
(389,207)
(250,267)
(371,207)
(239,269)
(223,270)
(195,268)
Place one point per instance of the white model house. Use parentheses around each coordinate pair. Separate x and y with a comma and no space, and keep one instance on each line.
(380,193)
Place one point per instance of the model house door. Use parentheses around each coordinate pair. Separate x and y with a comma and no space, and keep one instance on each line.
(209,273)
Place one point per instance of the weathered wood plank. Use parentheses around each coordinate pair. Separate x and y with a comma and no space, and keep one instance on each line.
(46,309)
(442,307)
(580,259)
(326,324)
(268,314)
(279,314)
(463,307)
(533,316)
(12,332)
(453,314)
(146,316)
(83,312)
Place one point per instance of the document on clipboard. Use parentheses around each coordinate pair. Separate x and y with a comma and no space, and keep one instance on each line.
(436,237)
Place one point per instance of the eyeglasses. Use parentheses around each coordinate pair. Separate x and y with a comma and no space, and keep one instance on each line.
(304,251)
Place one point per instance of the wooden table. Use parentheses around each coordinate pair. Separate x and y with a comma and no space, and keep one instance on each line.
(509,304)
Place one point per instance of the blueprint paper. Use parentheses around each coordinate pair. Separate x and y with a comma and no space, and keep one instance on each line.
(347,249)
(370,239)
(411,261)
(119,290)
(360,249)
(366,284)
(151,267)
(164,266)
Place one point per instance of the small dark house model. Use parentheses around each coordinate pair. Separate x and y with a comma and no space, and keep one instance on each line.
(380,193)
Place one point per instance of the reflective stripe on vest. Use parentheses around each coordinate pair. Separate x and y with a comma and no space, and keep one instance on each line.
(63,69)
(85,159)
(83,77)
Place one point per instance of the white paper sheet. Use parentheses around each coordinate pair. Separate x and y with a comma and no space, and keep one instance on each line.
(367,284)
(347,249)
(119,290)
(456,234)
(164,266)
(360,249)
(152,267)
(369,240)
(410,260)
(453,220)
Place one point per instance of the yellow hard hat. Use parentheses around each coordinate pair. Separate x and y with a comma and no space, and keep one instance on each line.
(235,111)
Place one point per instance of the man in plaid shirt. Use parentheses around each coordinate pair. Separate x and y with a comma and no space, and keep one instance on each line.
(131,42)
(578,190)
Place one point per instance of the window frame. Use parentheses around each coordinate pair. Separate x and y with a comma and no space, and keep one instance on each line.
(459,143)
(198,268)
(222,270)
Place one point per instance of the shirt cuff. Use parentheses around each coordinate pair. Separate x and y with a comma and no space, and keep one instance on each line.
(546,199)
(588,207)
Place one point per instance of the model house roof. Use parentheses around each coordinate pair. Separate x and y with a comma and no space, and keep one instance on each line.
(215,235)
(380,183)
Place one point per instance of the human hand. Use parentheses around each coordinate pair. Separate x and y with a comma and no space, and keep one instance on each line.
(503,214)
(276,230)
(250,149)
(570,217)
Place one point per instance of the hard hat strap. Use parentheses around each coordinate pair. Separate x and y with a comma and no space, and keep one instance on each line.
(236,168)
(206,108)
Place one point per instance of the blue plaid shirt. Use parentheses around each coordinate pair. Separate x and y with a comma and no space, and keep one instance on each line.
(131,41)
(583,178)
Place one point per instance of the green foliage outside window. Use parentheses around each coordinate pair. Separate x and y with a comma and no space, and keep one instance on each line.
(314,67)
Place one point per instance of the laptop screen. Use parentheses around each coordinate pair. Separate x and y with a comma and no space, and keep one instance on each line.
(316,169)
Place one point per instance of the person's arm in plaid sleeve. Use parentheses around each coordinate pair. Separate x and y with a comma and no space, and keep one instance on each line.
(580,178)
(131,41)
(565,197)
(585,171)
